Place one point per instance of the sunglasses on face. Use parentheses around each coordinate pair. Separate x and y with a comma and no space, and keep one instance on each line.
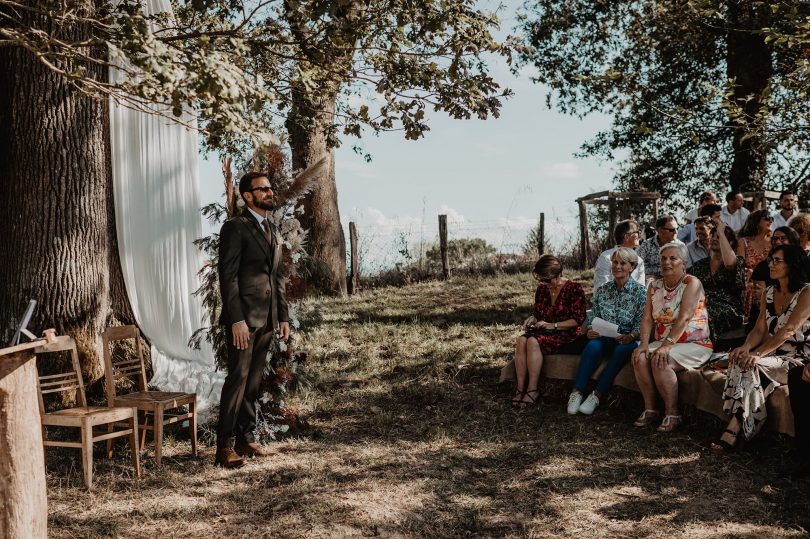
(669,229)
(262,189)
(774,261)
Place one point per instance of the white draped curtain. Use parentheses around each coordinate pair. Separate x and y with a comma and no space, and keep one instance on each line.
(157,216)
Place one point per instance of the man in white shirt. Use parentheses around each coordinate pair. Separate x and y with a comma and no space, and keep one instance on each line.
(626,234)
(789,206)
(734,214)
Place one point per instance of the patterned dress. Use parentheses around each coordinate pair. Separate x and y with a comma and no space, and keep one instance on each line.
(723,291)
(694,346)
(570,304)
(752,258)
(745,392)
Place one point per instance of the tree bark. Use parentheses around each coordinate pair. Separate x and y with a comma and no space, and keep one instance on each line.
(59,245)
(308,125)
(750,65)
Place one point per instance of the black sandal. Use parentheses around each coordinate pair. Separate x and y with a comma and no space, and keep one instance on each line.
(517,399)
(532,400)
(722,447)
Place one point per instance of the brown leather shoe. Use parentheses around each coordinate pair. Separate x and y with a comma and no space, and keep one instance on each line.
(227,458)
(250,449)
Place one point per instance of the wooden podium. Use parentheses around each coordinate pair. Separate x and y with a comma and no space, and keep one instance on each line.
(23,503)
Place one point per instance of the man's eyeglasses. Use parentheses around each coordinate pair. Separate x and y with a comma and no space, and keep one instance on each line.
(266,189)
(673,230)
(773,261)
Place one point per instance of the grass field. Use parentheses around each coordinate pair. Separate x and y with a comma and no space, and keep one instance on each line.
(413,437)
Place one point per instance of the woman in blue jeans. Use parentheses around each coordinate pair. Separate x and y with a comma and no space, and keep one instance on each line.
(621,302)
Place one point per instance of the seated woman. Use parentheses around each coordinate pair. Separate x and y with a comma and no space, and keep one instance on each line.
(801,224)
(780,339)
(784,235)
(620,302)
(754,244)
(559,311)
(723,279)
(676,311)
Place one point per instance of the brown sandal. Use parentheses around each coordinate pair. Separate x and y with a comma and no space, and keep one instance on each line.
(670,423)
(647,418)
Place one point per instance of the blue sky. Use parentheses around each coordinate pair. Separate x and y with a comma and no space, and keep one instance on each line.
(492,178)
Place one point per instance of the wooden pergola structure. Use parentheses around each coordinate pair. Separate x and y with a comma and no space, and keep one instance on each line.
(617,203)
(760,199)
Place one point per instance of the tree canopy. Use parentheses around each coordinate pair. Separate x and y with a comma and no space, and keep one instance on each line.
(692,87)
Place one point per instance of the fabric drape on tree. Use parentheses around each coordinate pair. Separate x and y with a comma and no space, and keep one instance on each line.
(157,217)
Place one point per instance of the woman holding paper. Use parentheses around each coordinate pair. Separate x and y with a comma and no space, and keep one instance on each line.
(676,312)
(613,330)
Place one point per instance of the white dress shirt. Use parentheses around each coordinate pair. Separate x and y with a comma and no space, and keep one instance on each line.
(778,220)
(735,220)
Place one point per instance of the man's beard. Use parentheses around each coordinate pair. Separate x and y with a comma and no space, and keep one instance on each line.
(265,205)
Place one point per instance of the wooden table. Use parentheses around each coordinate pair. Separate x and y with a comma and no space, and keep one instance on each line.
(23,502)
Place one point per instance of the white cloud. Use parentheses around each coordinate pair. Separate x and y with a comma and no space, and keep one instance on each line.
(561,170)
(452,215)
(373,217)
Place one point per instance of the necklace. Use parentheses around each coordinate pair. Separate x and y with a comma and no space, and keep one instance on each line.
(673,288)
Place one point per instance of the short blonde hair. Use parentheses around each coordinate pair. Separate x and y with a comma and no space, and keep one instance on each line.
(626,254)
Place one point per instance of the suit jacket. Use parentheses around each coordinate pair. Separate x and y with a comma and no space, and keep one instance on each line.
(251,274)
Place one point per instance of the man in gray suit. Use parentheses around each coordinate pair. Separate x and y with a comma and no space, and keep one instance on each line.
(254,306)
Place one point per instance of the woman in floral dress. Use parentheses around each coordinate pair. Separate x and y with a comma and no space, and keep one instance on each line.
(559,311)
(676,312)
(780,340)
(755,242)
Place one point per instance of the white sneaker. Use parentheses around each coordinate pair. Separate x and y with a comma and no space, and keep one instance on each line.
(573,402)
(589,405)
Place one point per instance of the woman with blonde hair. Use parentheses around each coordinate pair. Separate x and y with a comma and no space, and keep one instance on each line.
(559,311)
(675,311)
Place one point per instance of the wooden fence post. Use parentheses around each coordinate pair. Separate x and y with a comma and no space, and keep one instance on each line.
(611,219)
(541,234)
(583,235)
(354,273)
(443,246)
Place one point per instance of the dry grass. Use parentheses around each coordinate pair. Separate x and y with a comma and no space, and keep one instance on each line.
(413,437)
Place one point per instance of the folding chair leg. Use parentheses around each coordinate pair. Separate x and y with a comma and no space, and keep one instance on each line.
(192,426)
(133,444)
(110,428)
(158,433)
(87,453)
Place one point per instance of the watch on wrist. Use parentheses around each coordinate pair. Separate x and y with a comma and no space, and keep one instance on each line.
(555,326)
(669,340)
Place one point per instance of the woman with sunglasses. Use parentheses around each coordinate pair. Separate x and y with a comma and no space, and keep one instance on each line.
(780,339)
(754,244)
(559,311)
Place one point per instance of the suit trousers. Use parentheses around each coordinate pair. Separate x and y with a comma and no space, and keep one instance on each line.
(799,392)
(237,408)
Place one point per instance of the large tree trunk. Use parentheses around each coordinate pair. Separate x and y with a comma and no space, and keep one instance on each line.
(307,125)
(58,232)
(749,63)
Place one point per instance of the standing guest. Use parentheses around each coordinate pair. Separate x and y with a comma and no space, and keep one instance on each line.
(788,208)
(254,307)
(649,251)
(723,278)
(626,234)
(559,311)
(799,391)
(676,311)
(784,235)
(621,302)
(801,224)
(687,233)
(734,214)
(755,242)
(779,341)
(699,248)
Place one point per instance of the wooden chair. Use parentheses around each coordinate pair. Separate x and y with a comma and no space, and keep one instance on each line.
(83,417)
(154,404)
